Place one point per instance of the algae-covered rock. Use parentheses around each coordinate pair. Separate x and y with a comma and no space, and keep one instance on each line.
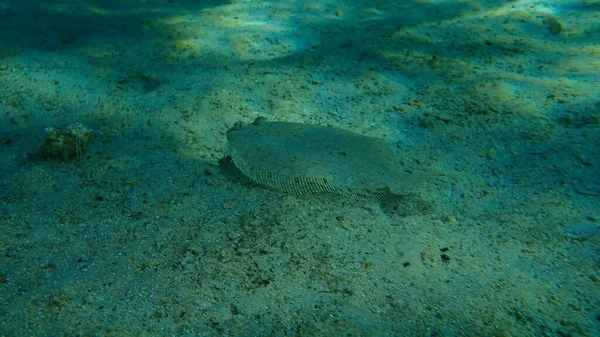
(65,143)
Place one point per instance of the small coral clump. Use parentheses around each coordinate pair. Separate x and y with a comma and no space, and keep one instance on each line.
(66,143)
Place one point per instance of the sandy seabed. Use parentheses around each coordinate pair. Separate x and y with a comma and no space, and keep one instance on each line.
(148,233)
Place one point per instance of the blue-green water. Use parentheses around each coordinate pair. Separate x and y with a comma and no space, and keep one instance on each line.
(120,216)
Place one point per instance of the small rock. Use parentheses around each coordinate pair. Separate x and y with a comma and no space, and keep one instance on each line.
(554,25)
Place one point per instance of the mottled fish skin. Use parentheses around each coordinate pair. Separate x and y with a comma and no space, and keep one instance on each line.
(305,158)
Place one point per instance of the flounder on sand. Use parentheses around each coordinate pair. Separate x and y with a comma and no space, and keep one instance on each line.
(305,158)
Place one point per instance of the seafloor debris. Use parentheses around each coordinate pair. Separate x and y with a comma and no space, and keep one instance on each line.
(65,143)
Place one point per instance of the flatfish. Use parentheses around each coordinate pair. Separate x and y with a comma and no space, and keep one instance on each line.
(305,159)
